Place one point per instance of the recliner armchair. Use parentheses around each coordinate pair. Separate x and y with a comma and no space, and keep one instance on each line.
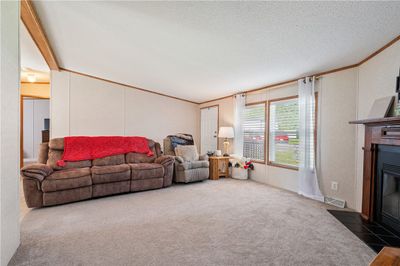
(187,171)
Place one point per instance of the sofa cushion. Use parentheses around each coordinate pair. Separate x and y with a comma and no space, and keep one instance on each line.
(67,179)
(57,144)
(56,155)
(187,152)
(133,157)
(109,160)
(146,170)
(110,173)
(193,165)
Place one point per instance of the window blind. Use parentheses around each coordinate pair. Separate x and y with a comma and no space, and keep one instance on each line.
(254,132)
(284,133)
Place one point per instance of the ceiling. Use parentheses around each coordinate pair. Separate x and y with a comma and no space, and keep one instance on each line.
(204,50)
(32,61)
(30,54)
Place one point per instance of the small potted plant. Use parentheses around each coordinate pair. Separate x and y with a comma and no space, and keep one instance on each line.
(240,167)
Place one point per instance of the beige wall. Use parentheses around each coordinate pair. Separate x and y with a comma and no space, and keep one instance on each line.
(376,79)
(9,134)
(82,105)
(335,134)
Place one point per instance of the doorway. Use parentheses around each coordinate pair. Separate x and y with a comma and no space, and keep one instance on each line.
(35,126)
(209,128)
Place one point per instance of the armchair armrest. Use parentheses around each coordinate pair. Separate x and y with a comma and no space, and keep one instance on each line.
(203,157)
(179,159)
(36,171)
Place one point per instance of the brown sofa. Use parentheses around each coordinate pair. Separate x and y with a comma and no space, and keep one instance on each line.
(47,184)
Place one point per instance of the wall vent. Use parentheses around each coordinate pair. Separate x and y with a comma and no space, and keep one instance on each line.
(335,202)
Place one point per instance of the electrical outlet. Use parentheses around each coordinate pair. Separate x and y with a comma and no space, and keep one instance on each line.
(334,185)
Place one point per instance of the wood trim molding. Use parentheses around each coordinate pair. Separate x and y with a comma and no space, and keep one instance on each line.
(274,85)
(126,85)
(31,20)
(380,50)
(33,83)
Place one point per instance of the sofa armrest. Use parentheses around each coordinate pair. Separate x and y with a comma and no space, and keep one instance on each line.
(36,171)
(167,161)
(203,157)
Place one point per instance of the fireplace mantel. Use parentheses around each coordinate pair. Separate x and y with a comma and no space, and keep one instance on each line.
(384,131)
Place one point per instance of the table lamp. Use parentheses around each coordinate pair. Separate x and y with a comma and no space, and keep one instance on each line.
(226,133)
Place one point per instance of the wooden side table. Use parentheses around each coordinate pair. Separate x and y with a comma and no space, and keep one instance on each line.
(388,256)
(219,166)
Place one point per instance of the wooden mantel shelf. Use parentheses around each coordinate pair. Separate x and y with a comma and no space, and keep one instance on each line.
(391,120)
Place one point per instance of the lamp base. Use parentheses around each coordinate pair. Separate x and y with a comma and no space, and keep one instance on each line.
(226,147)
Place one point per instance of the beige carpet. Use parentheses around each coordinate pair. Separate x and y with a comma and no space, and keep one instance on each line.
(224,222)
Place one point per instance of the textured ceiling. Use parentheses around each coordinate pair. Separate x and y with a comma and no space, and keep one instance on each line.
(204,50)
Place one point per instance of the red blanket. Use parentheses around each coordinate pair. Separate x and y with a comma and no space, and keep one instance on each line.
(89,148)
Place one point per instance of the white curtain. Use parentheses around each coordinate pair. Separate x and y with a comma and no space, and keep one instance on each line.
(238,111)
(308,179)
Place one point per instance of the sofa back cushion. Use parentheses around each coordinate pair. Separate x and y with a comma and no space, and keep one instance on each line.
(56,155)
(43,154)
(56,149)
(133,157)
(187,152)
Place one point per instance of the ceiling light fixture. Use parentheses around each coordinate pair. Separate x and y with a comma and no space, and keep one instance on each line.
(31,77)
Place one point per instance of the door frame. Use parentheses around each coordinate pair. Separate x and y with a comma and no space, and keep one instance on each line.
(21,126)
(210,106)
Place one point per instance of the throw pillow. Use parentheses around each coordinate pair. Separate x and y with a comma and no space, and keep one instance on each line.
(187,152)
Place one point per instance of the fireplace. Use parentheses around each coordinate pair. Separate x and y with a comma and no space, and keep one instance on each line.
(387,187)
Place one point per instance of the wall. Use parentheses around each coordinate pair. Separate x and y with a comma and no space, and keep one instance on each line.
(376,79)
(82,105)
(35,111)
(9,130)
(335,134)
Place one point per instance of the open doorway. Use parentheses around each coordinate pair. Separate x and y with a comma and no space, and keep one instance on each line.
(34,104)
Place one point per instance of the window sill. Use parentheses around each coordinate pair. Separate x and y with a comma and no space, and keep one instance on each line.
(258,161)
(283,166)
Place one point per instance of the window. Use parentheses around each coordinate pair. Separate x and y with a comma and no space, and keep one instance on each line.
(283,133)
(254,132)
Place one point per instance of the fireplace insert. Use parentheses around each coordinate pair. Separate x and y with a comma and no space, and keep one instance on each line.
(387,184)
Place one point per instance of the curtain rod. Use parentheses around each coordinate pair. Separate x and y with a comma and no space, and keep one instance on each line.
(277,86)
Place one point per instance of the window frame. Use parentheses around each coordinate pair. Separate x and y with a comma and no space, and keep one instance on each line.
(265,131)
(295,168)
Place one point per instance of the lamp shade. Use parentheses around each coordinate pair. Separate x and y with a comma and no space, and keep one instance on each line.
(226,132)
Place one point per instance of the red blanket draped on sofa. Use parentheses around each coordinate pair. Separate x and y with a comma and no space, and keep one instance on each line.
(90,148)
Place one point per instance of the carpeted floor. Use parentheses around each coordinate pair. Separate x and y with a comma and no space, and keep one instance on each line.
(224,222)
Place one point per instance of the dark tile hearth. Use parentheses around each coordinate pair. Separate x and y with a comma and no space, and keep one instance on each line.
(373,234)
